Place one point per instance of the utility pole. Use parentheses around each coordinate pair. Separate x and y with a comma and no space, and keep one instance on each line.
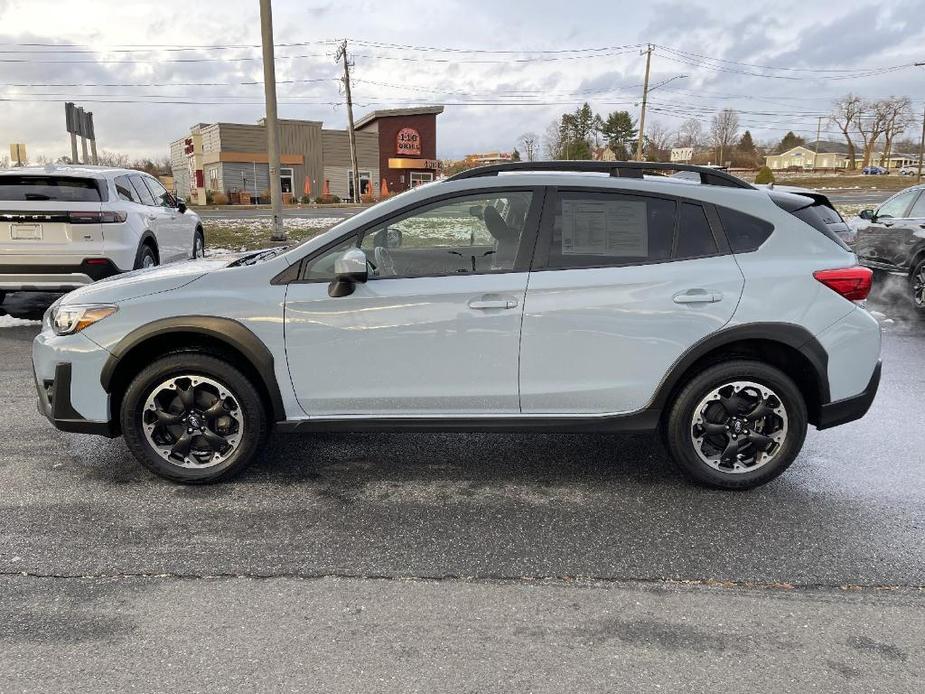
(918,176)
(351,136)
(272,120)
(818,133)
(642,111)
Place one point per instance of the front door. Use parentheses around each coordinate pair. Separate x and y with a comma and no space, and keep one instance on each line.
(623,285)
(435,331)
(882,243)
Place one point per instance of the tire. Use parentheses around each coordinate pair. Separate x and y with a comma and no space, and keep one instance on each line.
(155,417)
(917,287)
(763,457)
(199,244)
(146,257)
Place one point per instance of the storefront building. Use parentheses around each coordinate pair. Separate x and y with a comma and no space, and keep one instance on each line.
(232,158)
(407,140)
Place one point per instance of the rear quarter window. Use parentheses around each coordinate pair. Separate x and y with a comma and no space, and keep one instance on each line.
(744,232)
(44,188)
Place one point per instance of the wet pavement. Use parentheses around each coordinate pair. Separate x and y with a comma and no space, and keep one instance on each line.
(458,556)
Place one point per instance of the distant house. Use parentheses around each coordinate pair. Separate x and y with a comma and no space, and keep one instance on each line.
(831,155)
(603,154)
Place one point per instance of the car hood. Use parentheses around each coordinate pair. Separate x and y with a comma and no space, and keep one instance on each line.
(138,283)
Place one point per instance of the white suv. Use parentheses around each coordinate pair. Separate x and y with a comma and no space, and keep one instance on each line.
(65,227)
(522,297)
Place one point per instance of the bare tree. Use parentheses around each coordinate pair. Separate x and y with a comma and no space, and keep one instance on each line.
(870,125)
(899,118)
(724,129)
(554,140)
(658,141)
(114,159)
(529,143)
(845,113)
(690,134)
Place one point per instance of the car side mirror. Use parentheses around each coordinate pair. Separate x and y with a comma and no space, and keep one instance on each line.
(867,214)
(350,269)
(181,205)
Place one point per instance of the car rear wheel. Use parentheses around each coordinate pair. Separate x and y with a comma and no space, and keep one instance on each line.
(917,281)
(199,244)
(193,418)
(736,425)
(145,258)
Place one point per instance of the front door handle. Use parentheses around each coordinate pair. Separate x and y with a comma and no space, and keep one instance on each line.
(492,303)
(697,296)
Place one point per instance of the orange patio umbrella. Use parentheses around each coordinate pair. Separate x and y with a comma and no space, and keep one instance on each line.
(384,189)
(308,186)
(327,188)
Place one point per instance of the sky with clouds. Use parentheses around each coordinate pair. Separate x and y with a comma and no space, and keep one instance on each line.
(502,68)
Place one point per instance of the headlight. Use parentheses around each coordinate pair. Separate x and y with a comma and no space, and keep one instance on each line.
(67,320)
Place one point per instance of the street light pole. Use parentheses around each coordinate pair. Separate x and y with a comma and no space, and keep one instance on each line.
(642,110)
(272,120)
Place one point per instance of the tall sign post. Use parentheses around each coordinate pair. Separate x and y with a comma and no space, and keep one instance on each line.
(80,122)
(18,154)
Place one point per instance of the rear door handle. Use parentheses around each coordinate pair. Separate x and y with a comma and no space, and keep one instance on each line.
(492,303)
(697,296)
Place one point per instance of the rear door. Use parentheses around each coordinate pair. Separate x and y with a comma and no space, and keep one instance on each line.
(880,244)
(622,285)
(157,218)
(175,226)
(49,219)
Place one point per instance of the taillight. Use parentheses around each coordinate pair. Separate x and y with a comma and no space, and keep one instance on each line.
(97,217)
(853,283)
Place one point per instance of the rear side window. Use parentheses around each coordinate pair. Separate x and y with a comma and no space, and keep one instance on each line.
(125,189)
(142,191)
(695,237)
(607,229)
(57,188)
(744,232)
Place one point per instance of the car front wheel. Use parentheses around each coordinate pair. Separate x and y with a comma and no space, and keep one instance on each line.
(917,280)
(736,425)
(193,418)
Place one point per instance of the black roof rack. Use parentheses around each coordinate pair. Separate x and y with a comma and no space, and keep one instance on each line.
(617,169)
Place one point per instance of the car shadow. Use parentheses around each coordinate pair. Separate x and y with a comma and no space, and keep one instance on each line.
(27,305)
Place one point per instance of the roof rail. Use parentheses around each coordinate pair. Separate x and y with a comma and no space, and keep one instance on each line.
(617,169)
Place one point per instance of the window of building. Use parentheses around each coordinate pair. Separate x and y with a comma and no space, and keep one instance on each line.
(472,234)
(419,178)
(610,229)
(213,179)
(285,179)
(365,182)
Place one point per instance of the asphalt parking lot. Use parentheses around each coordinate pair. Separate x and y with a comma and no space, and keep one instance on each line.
(418,562)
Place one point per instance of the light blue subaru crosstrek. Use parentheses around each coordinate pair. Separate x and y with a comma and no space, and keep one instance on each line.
(552,296)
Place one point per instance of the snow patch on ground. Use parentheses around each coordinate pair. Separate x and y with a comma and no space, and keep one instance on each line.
(8,321)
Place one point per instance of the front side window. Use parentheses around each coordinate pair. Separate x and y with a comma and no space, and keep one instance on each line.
(159,192)
(321,267)
(918,209)
(472,234)
(610,229)
(897,205)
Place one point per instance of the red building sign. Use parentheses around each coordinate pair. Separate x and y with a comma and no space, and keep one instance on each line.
(408,142)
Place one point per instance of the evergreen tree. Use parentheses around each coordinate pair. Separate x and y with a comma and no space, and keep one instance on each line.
(515,155)
(789,141)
